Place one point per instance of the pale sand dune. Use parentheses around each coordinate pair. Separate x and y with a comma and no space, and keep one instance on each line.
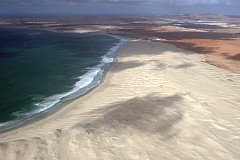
(157,102)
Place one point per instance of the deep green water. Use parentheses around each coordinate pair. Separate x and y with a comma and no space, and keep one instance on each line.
(36,64)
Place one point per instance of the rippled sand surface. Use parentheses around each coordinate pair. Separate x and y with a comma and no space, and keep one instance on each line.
(157,102)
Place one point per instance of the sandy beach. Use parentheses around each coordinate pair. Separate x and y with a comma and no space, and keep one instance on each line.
(157,102)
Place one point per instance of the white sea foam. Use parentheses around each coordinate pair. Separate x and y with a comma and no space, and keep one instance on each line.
(86,82)
(136,40)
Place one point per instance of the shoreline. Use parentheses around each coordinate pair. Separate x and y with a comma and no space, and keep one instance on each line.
(157,101)
(104,64)
(59,107)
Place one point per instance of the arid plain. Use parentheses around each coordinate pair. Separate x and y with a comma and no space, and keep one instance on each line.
(172,94)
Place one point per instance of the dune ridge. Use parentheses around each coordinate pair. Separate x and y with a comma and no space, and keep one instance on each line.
(156,102)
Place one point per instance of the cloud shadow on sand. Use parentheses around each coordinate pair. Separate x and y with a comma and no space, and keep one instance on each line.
(126,65)
(151,115)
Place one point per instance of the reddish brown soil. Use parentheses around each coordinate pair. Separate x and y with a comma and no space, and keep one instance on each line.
(221,53)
